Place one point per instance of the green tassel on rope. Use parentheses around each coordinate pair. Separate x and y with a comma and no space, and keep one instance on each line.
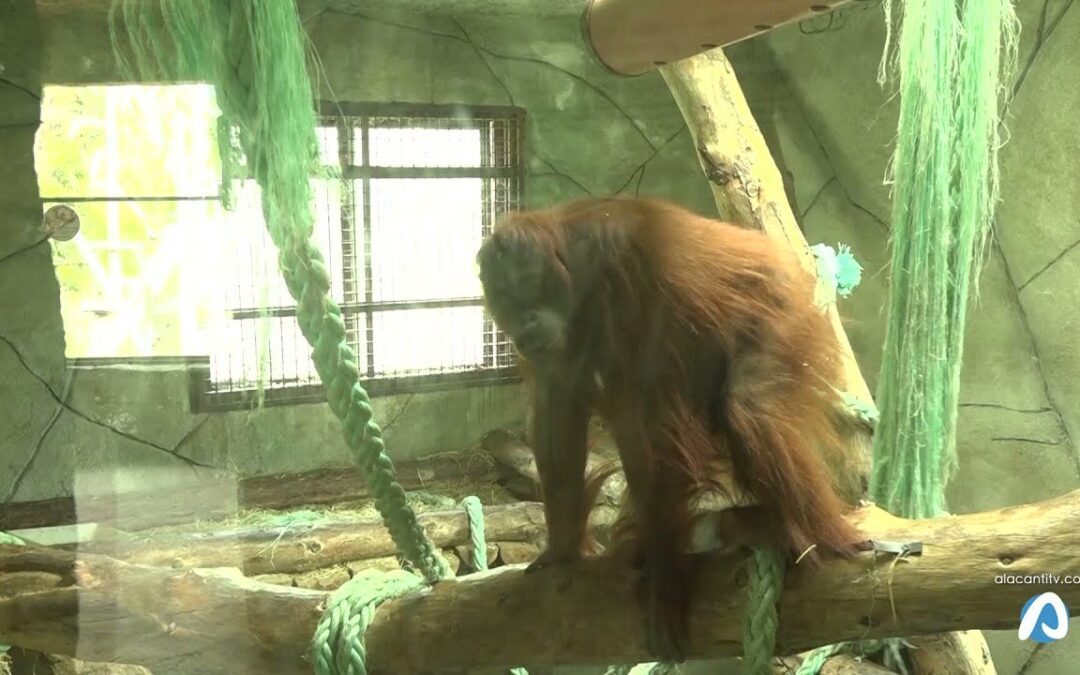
(838,273)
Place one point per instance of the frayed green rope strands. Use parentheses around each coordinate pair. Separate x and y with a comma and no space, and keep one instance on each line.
(949,58)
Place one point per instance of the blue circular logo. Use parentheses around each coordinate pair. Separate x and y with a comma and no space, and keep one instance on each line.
(1044,619)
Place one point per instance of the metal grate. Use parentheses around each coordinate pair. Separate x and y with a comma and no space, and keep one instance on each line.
(415,190)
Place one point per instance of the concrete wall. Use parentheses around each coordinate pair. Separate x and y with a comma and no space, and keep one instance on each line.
(588,133)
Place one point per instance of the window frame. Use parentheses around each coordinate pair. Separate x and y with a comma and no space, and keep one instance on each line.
(203,396)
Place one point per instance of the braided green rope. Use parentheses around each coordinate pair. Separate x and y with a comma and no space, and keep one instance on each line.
(254,53)
(338,645)
(761,620)
(475,510)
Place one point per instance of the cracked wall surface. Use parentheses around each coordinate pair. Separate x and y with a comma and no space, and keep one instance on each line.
(588,132)
(813,89)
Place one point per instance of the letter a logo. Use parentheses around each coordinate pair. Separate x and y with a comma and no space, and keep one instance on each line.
(1044,618)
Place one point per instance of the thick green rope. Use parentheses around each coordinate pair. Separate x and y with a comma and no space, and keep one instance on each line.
(950,62)
(338,645)
(761,620)
(475,511)
(255,55)
(949,58)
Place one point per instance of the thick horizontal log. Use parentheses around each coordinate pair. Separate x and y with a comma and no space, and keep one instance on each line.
(221,498)
(212,621)
(301,548)
(519,474)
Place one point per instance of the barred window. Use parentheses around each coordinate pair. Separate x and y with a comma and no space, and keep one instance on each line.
(154,271)
(418,190)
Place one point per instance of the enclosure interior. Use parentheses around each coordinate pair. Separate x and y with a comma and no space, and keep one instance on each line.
(156,384)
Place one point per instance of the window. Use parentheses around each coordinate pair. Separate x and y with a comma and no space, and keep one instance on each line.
(161,269)
(139,166)
(419,188)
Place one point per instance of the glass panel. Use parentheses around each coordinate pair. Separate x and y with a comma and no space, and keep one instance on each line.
(142,278)
(128,141)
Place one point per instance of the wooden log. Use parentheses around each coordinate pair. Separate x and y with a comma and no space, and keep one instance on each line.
(214,621)
(957,653)
(24,662)
(299,548)
(845,664)
(219,498)
(517,465)
(632,37)
(749,190)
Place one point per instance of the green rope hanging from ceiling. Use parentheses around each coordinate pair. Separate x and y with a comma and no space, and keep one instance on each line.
(255,55)
(951,57)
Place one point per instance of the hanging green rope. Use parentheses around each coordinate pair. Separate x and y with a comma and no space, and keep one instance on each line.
(952,57)
(949,56)
(255,55)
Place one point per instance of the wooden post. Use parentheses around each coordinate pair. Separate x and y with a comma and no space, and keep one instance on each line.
(749,190)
